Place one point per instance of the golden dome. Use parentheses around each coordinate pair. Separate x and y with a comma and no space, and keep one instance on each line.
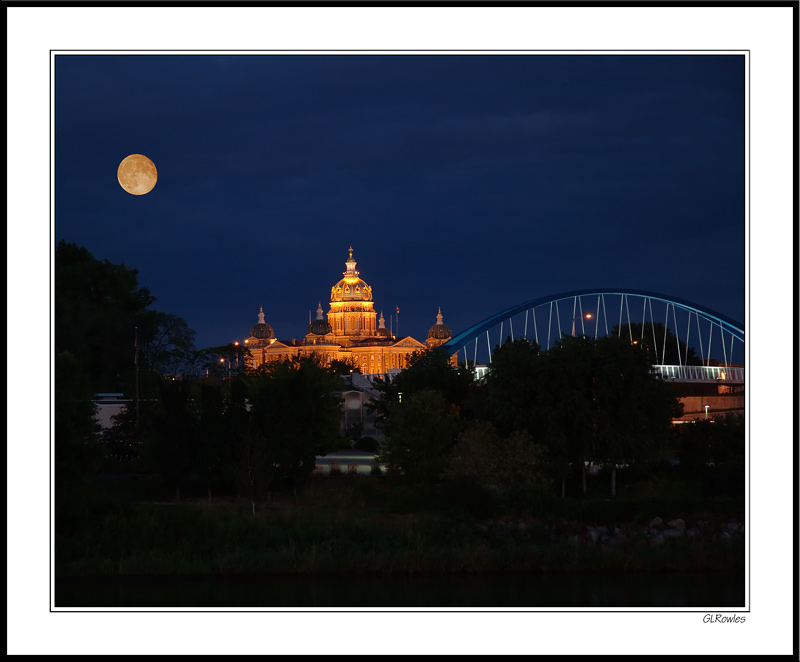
(351,287)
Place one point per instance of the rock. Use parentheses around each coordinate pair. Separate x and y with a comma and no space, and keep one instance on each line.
(482,528)
(733,527)
(657,521)
(672,533)
(725,535)
(678,524)
(573,540)
(656,540)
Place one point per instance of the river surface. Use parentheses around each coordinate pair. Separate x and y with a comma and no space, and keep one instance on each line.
(705,590)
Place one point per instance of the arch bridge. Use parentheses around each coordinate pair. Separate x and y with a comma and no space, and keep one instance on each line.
(708,347)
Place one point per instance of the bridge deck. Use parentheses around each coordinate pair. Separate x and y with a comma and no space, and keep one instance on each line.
(696,373)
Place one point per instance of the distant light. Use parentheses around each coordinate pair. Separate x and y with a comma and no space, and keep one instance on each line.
(222,360)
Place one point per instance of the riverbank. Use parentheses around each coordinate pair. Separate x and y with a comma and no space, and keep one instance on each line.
(365,525)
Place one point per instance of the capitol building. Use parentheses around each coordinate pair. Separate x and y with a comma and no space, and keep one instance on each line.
(351,333)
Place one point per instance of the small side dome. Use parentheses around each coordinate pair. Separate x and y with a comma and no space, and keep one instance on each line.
(319,326)
(439,331)
(382,330)
(262,330)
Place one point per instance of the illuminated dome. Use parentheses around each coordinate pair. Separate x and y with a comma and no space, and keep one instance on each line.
(439,331)
(319,326)
(262,330)
(351,287)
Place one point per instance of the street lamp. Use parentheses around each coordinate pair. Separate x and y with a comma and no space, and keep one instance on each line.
(706,408)
(587,316)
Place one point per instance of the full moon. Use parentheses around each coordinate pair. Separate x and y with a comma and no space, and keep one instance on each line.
(137,174)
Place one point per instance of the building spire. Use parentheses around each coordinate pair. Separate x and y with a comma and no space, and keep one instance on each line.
(261,315)
(319,310)
(351,272)
(439,316)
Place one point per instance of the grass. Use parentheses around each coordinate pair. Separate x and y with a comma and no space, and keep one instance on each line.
(372,525)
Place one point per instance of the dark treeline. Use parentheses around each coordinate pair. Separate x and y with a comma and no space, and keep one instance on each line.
(540,417)
(200,417)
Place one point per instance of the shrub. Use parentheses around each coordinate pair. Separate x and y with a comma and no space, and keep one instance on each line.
(367,444)
(335,468)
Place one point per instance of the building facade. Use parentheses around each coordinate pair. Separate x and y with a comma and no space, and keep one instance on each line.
(353,332)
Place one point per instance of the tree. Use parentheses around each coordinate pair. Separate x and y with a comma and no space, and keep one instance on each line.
(482,456)
(101,312)
(544,394)
(566,405)
(213,451)
(429,370)
(296,406)
(345,366)
(95,308)
(167,342)
(251,466)
(172,433)
(77,453)
(418,432)
(511,388)
(633,408)
(713,453)
(585,400)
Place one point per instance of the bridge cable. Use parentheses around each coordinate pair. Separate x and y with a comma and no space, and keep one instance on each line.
(677,338)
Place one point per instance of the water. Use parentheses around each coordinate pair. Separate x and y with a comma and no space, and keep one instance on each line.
(669,590)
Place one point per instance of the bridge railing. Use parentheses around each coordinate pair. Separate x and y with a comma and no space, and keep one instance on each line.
(697,373)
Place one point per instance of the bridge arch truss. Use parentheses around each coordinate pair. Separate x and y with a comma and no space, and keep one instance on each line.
(715,338)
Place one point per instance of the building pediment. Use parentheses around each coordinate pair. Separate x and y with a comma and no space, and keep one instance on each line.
(409,342)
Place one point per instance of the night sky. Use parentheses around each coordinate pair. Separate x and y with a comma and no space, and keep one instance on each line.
(471,182)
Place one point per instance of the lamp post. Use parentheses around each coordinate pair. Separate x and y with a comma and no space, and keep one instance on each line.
(587,316)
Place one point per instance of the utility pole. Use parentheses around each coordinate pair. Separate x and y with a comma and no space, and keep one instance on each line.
(136,363)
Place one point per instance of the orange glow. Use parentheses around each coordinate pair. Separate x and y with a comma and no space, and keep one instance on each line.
(222,360)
